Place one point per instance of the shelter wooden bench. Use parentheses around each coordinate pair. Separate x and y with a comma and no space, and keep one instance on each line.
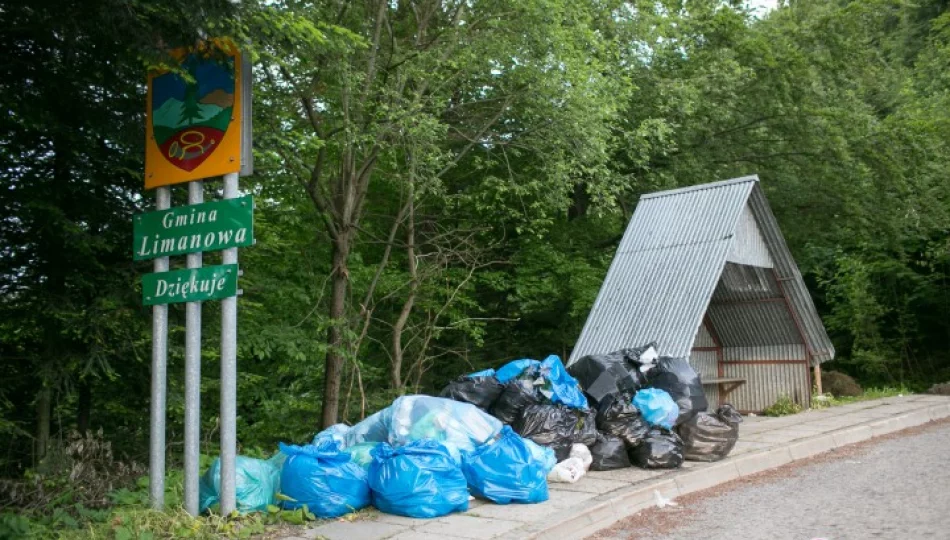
(726,384)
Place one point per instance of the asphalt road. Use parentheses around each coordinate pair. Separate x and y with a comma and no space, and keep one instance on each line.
(894,488)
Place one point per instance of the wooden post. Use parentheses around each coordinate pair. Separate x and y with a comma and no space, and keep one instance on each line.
(818,378)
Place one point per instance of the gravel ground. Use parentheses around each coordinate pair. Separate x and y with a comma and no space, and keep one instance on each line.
(896,487)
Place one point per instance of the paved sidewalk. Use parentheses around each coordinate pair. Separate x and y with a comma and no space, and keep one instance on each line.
(601,498)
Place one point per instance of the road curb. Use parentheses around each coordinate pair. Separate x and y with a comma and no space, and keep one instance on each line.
(608,509)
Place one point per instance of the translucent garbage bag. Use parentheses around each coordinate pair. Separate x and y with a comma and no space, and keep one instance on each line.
(336,433)
(361,453)
(568,471)
(459,426)
(373,428)
(256,484)
(582,453)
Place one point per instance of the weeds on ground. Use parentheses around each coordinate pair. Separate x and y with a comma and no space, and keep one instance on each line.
(823,401)
(81,491)
(783,406)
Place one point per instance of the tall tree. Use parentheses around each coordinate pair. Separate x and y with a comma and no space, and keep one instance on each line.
(363,83)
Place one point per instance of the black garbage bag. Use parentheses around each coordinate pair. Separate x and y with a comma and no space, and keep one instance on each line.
(482,392)
(562,450)
(603,374)
(585,429)
(548,425)
(682,383)
(618,416)
(661,449)
(514,398)
(710,437)
(632,357)
(609,453)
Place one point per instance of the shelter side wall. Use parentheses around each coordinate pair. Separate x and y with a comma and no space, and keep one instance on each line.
(770,372)
(704,358)
(706,363)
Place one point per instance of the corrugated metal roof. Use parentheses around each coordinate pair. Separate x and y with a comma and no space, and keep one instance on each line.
(672,261)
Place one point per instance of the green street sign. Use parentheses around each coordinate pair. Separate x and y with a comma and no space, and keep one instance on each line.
(209,226)
(192,285)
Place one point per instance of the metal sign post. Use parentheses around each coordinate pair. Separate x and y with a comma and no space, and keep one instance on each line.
(156,451)
(193,375)
(229,375)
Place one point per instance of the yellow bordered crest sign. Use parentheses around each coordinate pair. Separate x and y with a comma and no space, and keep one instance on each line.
(195,123)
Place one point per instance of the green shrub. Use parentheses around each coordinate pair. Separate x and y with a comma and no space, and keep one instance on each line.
(783,406)
(840,385)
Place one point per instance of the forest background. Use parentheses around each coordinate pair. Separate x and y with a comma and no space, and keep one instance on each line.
(441,185)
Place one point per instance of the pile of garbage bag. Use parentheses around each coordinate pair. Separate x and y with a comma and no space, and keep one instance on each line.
(500,435)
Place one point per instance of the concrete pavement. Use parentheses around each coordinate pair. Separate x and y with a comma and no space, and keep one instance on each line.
(600,499)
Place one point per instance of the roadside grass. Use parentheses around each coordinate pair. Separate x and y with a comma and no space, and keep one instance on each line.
(139,522)
(823,401)
(129,517)
(785,406)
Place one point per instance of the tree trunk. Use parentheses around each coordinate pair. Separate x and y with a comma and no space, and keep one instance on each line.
(334,363)
(84,407)
(580,200)
(396,370)
(44,401)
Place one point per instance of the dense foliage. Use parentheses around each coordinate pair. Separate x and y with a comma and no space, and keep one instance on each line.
(441,186)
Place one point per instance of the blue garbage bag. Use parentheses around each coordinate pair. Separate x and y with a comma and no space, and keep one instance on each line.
(514,368)
(323,478)
(542,454)
(483,373)
(656,407)
(549,377)
(561,387)
(504,471)
(256,484)
(420,479)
